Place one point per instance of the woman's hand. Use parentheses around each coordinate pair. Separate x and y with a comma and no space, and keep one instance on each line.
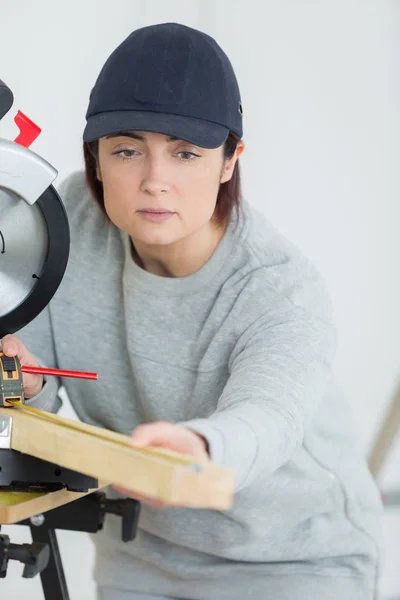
(171,436)
(12,346)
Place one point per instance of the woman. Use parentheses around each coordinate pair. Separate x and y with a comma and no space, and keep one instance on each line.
(212,335)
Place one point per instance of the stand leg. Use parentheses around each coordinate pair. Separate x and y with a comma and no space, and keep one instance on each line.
(53,577)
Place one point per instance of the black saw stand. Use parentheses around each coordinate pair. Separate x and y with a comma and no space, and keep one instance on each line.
(86,514)
(34,250)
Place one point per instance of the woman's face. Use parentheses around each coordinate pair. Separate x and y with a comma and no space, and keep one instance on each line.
(144,172)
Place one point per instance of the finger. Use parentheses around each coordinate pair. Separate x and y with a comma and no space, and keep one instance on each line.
(162,433)
(172,436)
(13,347)
(151,433)
(10,345)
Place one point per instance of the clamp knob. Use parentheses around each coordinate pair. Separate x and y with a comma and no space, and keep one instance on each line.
(34,556)
(129,510)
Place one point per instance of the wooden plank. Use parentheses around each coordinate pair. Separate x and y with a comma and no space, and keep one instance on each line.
(103,433)
(385,438)
(108,456)
(16,506)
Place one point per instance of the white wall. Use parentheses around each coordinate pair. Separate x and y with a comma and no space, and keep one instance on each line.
(320,87)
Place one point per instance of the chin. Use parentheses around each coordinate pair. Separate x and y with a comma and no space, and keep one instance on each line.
(155,238)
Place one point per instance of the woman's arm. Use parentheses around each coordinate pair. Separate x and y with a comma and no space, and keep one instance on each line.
(37,337)
(278,375)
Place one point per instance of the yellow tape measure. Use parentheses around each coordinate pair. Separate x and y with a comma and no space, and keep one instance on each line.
(11,383)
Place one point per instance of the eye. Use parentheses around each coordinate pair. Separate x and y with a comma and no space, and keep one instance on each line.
(186,156)
(126,153)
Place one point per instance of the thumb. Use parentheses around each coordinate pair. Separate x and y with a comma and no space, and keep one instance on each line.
(147,434)
(10,345)
(172,436)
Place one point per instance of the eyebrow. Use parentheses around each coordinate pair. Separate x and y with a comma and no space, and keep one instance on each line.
(136,136)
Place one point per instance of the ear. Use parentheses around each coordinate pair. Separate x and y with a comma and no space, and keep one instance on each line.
(229,166)
(98,172)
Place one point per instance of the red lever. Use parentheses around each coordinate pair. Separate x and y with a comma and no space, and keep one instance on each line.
(29,131)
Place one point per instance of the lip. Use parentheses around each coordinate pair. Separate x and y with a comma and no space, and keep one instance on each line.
(156,210)
(155,214)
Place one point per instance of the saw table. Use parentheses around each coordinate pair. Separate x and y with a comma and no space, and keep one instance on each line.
(52,469)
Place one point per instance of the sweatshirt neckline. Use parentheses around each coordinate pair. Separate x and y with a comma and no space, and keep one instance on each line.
(136,276)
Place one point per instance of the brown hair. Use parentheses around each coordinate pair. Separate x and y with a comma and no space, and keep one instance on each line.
(229,194)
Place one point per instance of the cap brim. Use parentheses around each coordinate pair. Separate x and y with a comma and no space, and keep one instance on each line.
(195,131)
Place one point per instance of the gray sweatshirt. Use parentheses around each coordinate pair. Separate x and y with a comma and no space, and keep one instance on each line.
(240,351)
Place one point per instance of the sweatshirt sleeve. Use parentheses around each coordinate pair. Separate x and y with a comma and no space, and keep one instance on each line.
(279,371)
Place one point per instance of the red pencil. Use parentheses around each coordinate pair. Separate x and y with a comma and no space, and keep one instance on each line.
(58,372)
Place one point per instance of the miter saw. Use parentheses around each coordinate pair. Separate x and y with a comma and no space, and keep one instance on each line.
(34,232)
(34,250)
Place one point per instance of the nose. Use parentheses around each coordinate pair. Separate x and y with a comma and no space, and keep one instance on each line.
(154,181)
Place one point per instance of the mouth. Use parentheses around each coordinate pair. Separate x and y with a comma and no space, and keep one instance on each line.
(155,214)
(156,210)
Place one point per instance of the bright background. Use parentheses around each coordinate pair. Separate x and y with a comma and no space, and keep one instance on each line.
(320,91)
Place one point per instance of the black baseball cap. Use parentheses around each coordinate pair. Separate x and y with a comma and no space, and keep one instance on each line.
(167,78)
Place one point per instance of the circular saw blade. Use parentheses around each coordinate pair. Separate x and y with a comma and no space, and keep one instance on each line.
(34,250)
(23,249)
